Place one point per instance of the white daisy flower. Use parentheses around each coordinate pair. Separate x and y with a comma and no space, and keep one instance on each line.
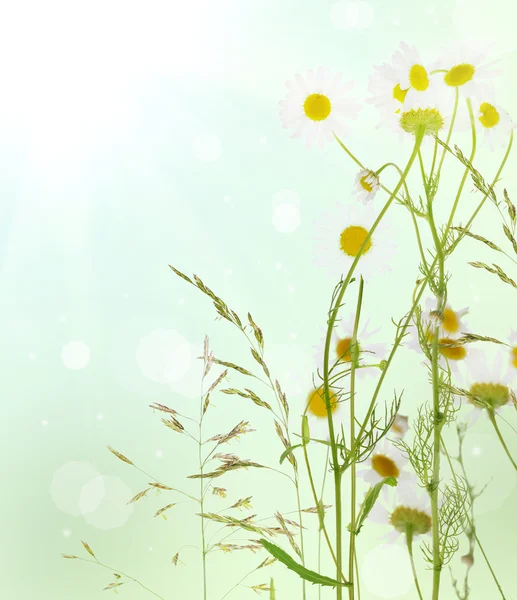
(512,362)
(390,83)
(495,122)
(488,382)
(400,426)
(385,461)
(317,413)
(339,235)
(367,184)
(410,507)
(451,327)
(468,69)
(316,105)
(370,351)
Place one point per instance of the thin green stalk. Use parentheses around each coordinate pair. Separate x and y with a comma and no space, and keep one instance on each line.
(335,463)
(97,562)
(495,180)
(360,164)
(434,491)
(471,524)
(315,496)
(202,498)
(319,528)
(354,351)
(438,417)
(467,170)
(449,134)
(491,416)
(409,540)
(238,583)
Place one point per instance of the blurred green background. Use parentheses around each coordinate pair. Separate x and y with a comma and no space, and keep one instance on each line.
(137,134)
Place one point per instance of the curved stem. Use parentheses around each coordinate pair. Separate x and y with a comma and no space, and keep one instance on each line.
(409,540)
(491,416)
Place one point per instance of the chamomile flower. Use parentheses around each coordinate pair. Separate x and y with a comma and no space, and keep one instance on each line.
(452,323)
(468,69)
(409,508)
(370,351)
(317,412)
(390,83)
(367,184)
(400,426)
(488,382)
(451,326)
(341,232)
(316,105)
(385,461)
(512,362)
(496,123)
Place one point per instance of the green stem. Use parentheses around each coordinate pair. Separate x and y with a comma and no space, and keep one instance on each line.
(315,496)
(335,466)
(97,562)
(449,134)
(491,416)
(409,540)
(202,499)
(238,584)
(496,178)
(438,418)
(471,525)
(354,352)
(467,170)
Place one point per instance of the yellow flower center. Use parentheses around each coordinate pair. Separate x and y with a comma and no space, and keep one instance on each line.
(384,466)
(343,350)
(399,94)
(352,238)
(450,322)
(364,183)
(459,75)
(403,517)
(451,352)
(489,115)
(317,107)
(317,405)
(514,357)
(418,78)
(491,395)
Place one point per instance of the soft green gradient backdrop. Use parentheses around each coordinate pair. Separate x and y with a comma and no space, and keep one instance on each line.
(102,184)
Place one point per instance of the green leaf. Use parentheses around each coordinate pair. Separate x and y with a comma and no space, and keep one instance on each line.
(304,573)
(370,500)
(288,451)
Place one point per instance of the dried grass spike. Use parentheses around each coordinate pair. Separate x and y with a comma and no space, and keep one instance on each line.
(120,456)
